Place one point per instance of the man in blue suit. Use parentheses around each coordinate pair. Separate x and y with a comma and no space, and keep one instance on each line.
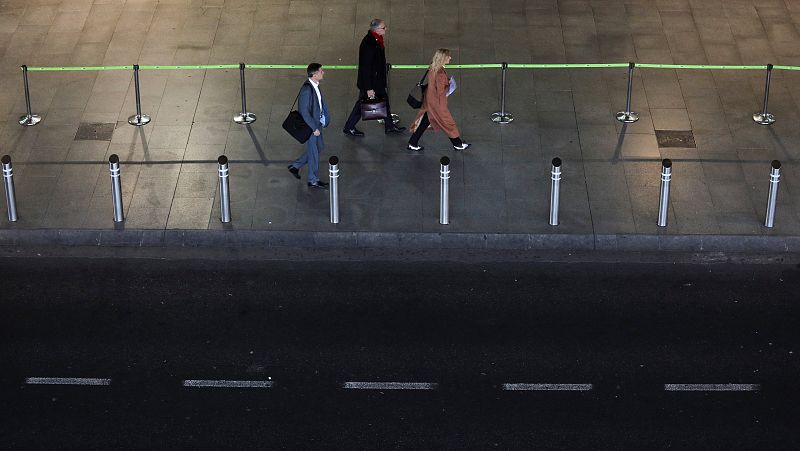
(314,109)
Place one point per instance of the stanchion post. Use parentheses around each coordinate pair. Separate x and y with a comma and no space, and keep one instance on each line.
(116,187)
(444,191)
(244,117)
(764,117)
(8,183)
(555,188)
(29,119)
(663,200)
(628,116)
(774,179)
(333,172)
(502,116)
(138,119)
(224,190)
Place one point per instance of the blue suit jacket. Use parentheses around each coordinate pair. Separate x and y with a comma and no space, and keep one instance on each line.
(308,106)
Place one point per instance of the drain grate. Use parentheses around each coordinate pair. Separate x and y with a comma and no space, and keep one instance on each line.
(675,138)
(94,131)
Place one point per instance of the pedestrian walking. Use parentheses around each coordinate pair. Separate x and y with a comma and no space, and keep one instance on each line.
(372,78)
(314,109)
(434,111)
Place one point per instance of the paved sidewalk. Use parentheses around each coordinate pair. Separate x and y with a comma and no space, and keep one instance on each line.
(610,183)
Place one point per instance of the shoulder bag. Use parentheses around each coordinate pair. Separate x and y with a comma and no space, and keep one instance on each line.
(417,93)
(296,125)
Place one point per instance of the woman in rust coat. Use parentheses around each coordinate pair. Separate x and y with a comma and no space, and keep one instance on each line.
(434,110)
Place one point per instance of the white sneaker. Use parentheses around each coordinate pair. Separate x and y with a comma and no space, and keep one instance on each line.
(415,148)
(463,146)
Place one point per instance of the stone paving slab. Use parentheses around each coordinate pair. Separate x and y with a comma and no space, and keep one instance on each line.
(499,187)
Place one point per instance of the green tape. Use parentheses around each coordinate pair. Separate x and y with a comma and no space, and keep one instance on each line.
(566,66)
(699,66)
(419,66)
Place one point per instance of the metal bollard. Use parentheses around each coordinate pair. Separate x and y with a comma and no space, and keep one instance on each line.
(138,119)
(395,118)
(29,119)
(224,190)
(774,179)
(765,118)
(244,117)
(116,187)
(555,188)
(663,200)
(503,117)
(8,182)
(333,172)
(444,191)
(628,116)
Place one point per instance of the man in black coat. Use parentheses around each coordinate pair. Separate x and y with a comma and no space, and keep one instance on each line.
(371,78)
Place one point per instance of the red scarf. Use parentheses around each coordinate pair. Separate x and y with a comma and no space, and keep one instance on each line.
(378,38)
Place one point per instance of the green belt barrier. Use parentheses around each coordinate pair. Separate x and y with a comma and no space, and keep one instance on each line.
(421,66)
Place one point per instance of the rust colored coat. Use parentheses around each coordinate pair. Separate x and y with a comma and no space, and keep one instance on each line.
(435,104)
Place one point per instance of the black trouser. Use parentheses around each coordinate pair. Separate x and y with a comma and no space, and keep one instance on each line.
(423,125)
(355,115)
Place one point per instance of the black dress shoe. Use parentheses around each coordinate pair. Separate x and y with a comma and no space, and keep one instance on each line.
(295,172)
(353,132)
(395,130)
(318,184)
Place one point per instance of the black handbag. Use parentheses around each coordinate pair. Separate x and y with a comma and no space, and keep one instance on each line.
(417,93)
(296,125)
(373,109)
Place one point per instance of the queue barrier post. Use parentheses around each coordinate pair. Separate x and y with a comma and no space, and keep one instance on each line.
(502,116)
(244,117)
(30,119)
(764,117)
(628,116)
(138,119)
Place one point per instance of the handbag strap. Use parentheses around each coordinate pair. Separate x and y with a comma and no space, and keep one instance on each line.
(423,77)
(298,95)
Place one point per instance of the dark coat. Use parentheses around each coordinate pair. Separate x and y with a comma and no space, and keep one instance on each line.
(308,106)
(371,64)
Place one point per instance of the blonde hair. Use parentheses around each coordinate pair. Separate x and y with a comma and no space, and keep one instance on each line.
(438,61)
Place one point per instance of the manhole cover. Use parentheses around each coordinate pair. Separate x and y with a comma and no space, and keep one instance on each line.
(94,131)
(675,138)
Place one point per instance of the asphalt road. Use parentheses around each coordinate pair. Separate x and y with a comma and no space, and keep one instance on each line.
(397,355)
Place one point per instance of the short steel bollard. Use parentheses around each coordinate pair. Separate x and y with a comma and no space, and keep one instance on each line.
(663,200)
(555,188)
(224,190)
(138,119)
(244,117)
(774,179)
(628,116)
(8,182)
(333,172)
(116,187)
(764,117)
(29,119)
(502,116)
(395,118)
(444,191)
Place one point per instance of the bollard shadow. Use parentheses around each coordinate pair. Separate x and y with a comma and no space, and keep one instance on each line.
(620,142)
(257,145)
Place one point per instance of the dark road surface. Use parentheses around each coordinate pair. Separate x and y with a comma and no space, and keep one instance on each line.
(462,332)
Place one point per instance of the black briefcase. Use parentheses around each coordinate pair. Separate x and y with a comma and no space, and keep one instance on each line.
(297,127)
(373,109)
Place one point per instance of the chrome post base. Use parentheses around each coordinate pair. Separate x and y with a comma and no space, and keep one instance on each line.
(627,117)
(502,118)
(764,118)
(30,120)
(139,120)
(244,118)
(395,119)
